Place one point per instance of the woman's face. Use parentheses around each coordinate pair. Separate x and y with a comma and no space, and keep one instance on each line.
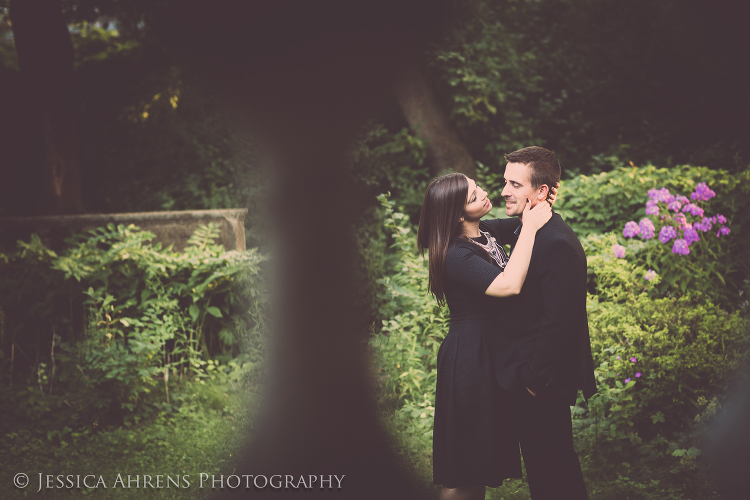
(477,203)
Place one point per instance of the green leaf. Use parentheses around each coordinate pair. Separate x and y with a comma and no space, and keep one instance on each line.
(214,311)
(194,312)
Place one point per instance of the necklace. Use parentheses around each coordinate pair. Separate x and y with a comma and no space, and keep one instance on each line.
(493,249)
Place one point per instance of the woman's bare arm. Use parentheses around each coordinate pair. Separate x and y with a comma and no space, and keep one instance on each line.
(510,281)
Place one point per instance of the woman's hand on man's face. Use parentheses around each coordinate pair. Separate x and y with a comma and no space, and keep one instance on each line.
(538,216)
(553,194)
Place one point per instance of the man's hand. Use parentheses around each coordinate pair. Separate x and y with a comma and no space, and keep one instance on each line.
(531,392)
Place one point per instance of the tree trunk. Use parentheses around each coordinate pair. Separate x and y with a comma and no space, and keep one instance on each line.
(427,119)
(45,60)
(308,74)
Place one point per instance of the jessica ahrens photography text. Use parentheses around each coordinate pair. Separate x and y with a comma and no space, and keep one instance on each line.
(203,480)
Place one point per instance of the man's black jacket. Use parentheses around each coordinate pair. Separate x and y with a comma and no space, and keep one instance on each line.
(543,336)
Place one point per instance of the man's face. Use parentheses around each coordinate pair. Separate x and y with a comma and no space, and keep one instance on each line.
(517,189)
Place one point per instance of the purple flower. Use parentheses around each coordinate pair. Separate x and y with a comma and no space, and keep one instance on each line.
(680,247)
(674,205)
(631,229)
(660,195)
(650,274)
(652,208)
(619,251)
(693,209)
(637,374)
(691,235)
(627,380)
(702,192)
(704,225)
(683,200)
(667,233)
(647,229)
(633,360)
(681,220)
(720,219)
(618,356)
(722,232)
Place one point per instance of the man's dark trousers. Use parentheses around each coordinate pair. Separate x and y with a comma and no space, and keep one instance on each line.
(544,429)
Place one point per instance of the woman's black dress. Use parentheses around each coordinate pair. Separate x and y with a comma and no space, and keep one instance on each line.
(474,440)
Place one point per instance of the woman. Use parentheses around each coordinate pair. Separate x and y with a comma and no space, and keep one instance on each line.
(474,445)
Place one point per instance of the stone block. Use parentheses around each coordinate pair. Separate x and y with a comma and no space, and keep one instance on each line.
(170,228)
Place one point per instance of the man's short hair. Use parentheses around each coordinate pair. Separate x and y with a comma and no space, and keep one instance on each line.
(543,165)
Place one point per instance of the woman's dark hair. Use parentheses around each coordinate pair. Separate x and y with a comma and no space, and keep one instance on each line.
(440,221)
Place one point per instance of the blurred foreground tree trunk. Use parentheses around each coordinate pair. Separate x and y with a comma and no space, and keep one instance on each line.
(45,60)
(309,74)
(430,123)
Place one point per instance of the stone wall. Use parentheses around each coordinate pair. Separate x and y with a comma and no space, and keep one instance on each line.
(170,228)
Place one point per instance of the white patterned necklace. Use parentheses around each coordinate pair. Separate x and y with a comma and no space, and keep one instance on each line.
(493,249)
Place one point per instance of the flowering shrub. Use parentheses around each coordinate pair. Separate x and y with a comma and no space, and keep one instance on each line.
(677,224)
(600,203)
(680,240)
(605,202)
(619,251)
(656,358)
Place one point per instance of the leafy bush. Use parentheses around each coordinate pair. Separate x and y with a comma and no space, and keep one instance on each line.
(605,202)
(407,344)
(148,313)
(663,366)
(668,353)
(394,162)
(203,429)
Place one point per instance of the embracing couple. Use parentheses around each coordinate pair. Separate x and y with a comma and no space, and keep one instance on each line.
(518,349)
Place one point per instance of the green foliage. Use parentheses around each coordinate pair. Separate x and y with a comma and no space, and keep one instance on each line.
(382,161)
(203,429)
(414,327)
(717,267)
(149,313)
(158,139)
(489,75)
(605,202)
(663,366)
(92,43)
(684,348)
(572,77)
(710,268)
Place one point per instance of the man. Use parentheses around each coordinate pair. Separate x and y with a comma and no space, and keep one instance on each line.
(543,353)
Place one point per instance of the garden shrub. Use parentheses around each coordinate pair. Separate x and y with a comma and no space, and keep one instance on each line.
(605,202)
(669,353)
(406,346)
(663,367)
(146,314)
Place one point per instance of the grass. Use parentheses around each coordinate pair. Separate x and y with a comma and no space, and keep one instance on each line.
(203,434)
